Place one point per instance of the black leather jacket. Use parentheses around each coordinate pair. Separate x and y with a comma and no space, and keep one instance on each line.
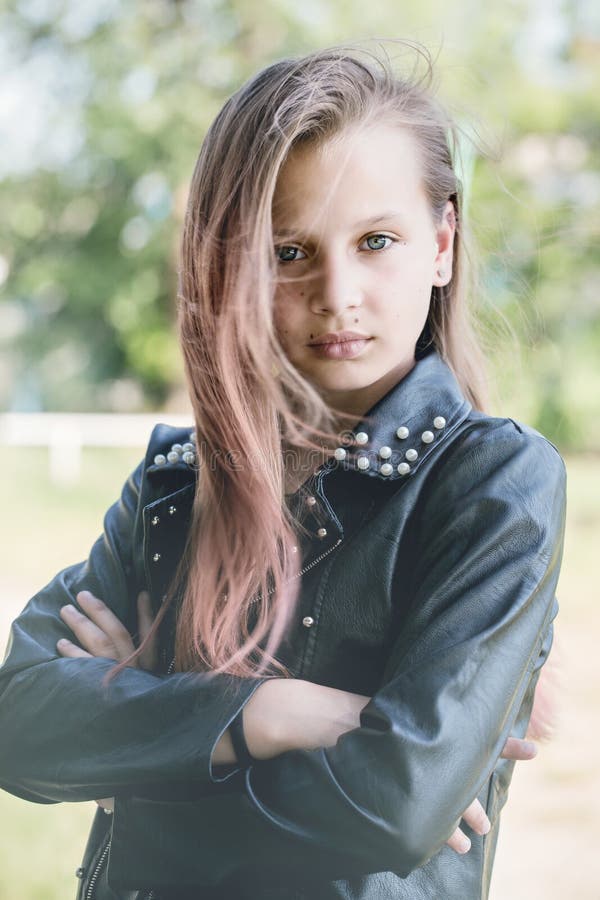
(432,591)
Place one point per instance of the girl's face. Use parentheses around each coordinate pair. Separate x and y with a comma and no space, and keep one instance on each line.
(358,251)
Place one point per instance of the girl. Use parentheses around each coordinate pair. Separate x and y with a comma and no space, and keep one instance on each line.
(345,577)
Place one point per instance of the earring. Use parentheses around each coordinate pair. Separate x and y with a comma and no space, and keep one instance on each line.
(441,273)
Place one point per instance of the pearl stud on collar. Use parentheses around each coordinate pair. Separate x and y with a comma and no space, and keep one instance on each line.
(439,422)
(178,452)
(362,437)
(402,432)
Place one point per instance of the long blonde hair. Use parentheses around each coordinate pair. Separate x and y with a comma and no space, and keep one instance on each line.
(237,577)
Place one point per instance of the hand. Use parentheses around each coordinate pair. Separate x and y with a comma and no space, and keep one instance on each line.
(293,714)
(475,815)
(101,632)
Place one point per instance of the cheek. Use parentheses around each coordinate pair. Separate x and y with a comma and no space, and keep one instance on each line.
(280,315)
(407,303)
(285,323)
(288,309)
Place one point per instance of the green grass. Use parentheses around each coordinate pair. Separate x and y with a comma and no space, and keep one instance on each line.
(50,527)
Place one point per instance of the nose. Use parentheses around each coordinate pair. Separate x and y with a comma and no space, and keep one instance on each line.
(336,287)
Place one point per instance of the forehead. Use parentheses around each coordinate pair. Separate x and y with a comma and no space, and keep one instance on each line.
(352,176)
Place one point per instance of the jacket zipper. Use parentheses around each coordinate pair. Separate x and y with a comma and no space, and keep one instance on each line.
(96,873)
(299,574)
(89,894)
(319,558)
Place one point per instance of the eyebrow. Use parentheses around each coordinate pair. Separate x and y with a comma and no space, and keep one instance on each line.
(364,223)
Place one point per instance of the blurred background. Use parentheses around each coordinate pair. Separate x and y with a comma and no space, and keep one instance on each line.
(103,107)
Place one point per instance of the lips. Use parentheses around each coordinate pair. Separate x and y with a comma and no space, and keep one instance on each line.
(338,337)
(340,345)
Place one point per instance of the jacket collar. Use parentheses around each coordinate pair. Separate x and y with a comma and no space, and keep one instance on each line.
(407,424)
(392,441)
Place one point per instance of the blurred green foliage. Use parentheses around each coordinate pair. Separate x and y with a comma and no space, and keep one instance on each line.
(93,199)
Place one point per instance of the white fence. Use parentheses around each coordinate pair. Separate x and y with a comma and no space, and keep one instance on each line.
(66,434)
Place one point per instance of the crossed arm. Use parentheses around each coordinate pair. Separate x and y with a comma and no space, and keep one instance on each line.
(481,608)
(282,714)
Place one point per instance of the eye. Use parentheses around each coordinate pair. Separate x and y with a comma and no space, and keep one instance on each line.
(375,241)
(285,253)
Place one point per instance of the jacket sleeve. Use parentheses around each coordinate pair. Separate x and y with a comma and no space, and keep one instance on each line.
(486,542)
(64,736)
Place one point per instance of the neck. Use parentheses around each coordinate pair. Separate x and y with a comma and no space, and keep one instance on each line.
(359,402)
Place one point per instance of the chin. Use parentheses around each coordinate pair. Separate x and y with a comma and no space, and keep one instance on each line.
(343,388)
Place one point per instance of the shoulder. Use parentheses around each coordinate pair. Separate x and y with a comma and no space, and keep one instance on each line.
(498,463)
(498,440)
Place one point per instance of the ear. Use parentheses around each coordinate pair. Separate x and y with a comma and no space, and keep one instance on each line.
(444,244)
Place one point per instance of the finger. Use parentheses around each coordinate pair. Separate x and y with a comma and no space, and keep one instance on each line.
(88,634)
(459,842)
(68,648)
(106,620)
(475,816)
(145,617)
(515,748)
(149,656)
